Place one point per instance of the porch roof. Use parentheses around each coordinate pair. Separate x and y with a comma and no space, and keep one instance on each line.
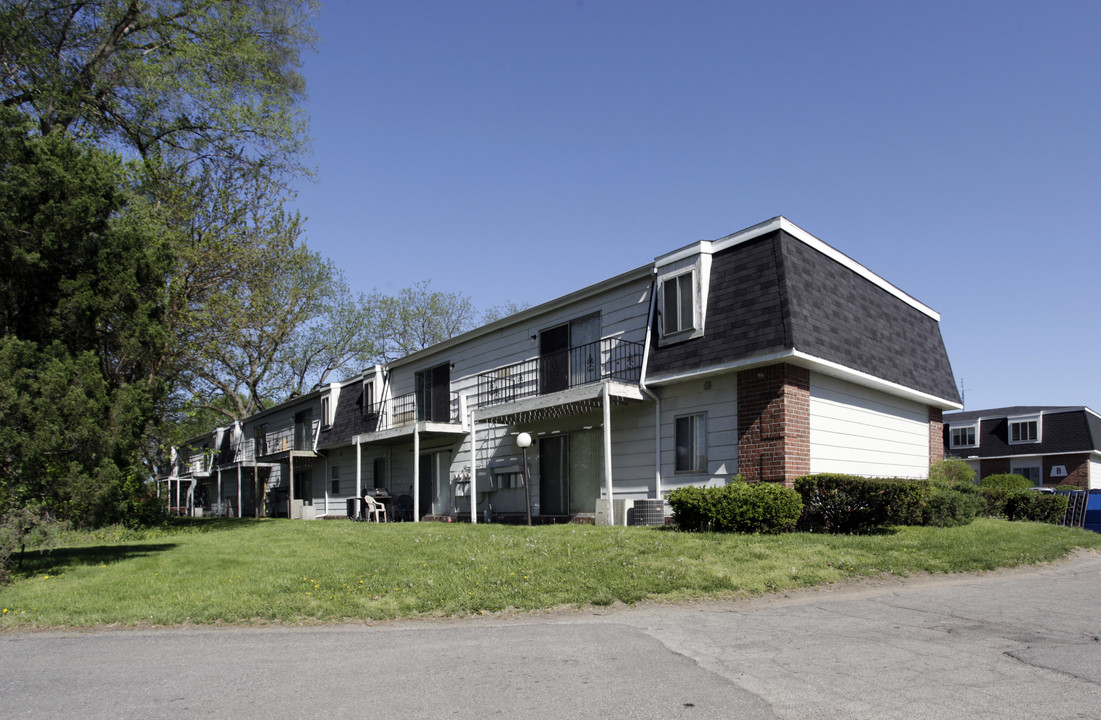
(580,400)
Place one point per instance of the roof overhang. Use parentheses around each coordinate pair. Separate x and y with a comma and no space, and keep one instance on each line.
(816,364)
(581,400)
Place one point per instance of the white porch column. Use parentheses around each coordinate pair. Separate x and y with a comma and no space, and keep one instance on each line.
(219,485)
(608,451)
(290,485)
(416,472)
(359,472)
(473,473)
(239,510)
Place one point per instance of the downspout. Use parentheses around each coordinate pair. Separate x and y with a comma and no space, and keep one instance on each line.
(649,393)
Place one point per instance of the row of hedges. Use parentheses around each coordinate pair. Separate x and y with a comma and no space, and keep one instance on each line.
(838,503)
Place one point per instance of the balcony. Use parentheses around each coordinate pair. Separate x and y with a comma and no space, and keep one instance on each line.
(605,359)
(404,409)
(199,464)
(298,437)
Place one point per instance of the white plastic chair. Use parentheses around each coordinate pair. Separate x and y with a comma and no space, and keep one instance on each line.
(375,510)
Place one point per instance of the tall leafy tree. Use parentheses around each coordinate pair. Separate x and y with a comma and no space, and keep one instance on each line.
(418,317)
(82,306)
(193,81)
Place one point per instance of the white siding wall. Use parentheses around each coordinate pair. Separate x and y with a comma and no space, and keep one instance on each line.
(860,431)
(718,397)
(1095,474)
(623,313)
(633,443)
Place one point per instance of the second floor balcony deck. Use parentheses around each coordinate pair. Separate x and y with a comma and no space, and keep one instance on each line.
(405,410)
(606,359)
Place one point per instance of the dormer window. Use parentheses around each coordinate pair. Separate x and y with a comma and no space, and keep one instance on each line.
(682,288)
(326,412)
(963,436)
(1024,430)
(678,307)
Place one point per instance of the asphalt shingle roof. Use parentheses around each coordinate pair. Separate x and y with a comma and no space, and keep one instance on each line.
(777,293)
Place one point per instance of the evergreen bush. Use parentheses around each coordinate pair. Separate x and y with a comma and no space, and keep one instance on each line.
(849,504)
(1037,507)
(1006,481)
(737,507)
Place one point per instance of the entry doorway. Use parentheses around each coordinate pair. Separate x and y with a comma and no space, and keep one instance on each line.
(569,473)
(435,485)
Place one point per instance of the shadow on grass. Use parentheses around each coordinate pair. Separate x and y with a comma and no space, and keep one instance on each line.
(37,562)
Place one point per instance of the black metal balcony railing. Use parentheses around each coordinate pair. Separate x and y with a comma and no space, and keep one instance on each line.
(404,409)
(609,358)
(298,437)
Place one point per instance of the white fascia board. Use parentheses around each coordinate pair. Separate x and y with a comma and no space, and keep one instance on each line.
(782,223)
(1022,455)
(702,247)
(810,362)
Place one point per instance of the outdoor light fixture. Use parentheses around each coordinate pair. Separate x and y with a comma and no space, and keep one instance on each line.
(524,441)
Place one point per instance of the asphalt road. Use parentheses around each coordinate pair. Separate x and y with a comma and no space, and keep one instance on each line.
(1015,644)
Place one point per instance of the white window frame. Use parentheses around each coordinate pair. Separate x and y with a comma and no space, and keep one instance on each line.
(677,283)
(368,396)
(953,429)
(696,442)
(1023,420)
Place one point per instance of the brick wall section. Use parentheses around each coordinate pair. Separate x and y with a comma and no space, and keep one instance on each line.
(1078,470)
(774,423)
(936,435)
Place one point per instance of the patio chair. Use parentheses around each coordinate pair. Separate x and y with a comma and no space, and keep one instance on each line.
(374,509)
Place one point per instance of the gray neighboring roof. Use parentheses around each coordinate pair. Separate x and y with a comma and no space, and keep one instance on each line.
(1066,429)
(777,293)
(965,416)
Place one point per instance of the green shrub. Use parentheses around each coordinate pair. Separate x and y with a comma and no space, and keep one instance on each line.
(737,507)
(951,507)
(948,472)
(1068,486)
(1037,507)
(1006,481)
(758,508)
(693,508)
(995,499)
(849,504)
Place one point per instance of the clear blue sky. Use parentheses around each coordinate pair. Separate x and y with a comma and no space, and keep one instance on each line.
(516,150)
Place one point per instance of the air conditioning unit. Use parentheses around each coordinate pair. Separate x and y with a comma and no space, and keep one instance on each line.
(618,514)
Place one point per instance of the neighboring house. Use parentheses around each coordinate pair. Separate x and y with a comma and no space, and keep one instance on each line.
(766,353)
(1048,445)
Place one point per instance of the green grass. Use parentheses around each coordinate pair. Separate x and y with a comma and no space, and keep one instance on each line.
(277,571)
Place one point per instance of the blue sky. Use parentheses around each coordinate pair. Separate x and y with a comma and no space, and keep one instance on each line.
(515,151)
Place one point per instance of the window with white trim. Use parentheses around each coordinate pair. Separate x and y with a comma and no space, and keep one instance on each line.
(963,436)
(1031,471)
(1024,430)
(678,305)
(691,443)
(326,411)
(335,481)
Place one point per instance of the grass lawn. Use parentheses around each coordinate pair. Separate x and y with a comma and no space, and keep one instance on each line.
(281,571)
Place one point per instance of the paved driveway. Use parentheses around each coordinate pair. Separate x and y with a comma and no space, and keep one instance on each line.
(1017,644)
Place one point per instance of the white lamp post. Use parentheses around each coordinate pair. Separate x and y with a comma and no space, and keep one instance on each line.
(524,441)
